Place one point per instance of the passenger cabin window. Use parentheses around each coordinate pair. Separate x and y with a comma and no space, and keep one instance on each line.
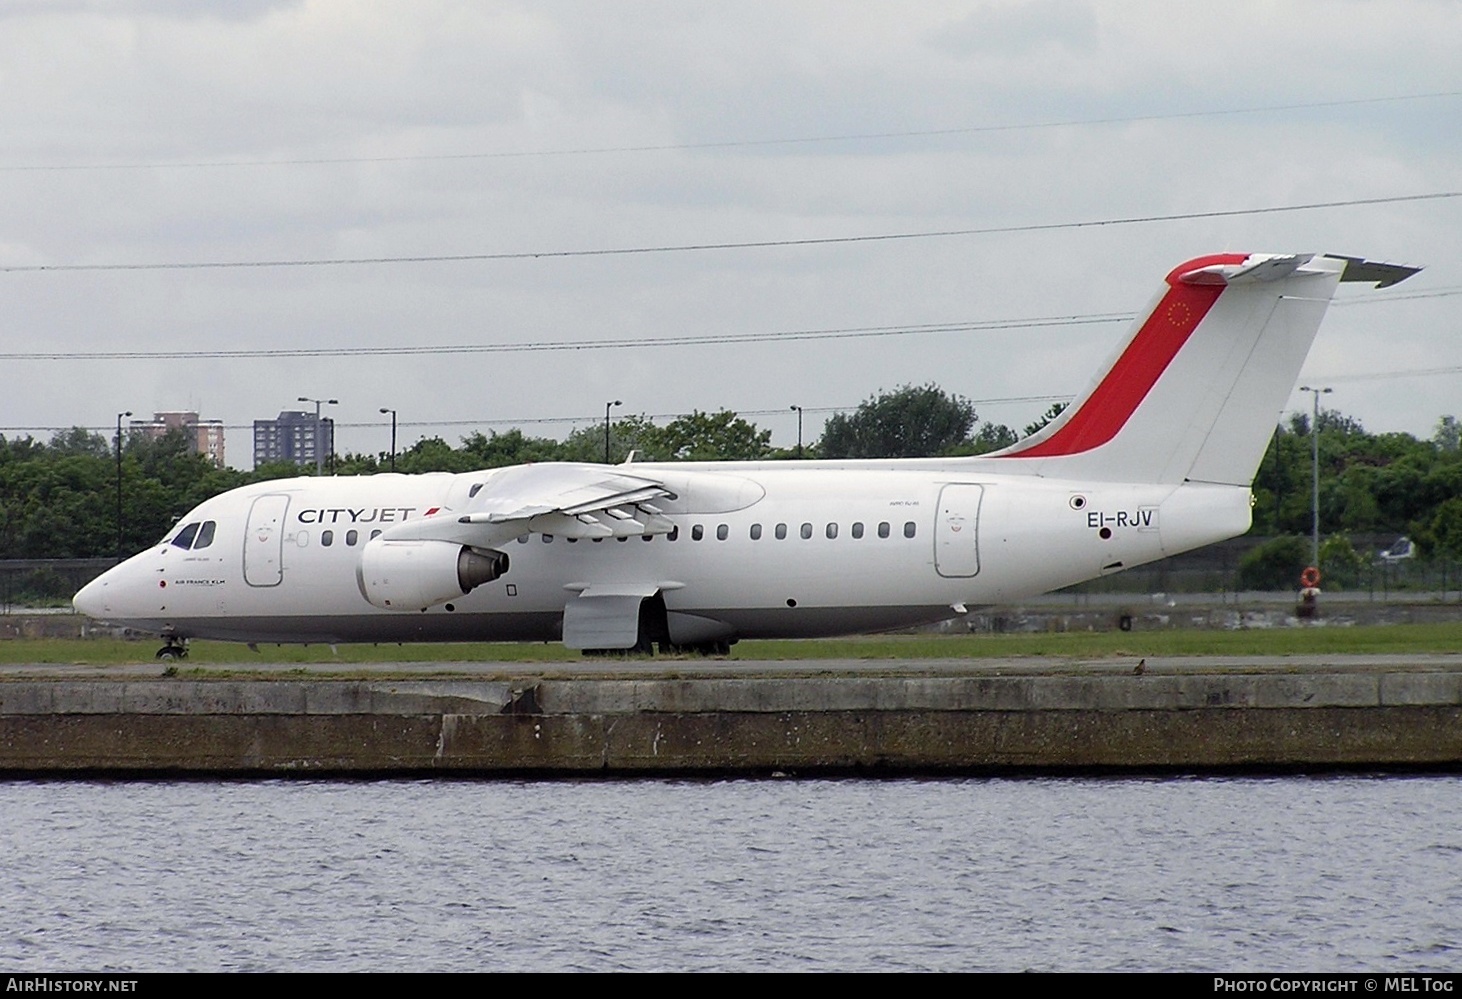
(909,529)
(806,531)
(674,534)
(375,535)
(755,532)
(722,531)
(327,538)
(883,529)
(781,532)
(697,532)
(351,537)
(857,528)
(832,531)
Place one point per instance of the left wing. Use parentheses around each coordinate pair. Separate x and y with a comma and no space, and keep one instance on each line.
(576,501)
(423,562)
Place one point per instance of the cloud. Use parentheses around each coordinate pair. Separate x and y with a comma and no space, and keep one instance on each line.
(346,129)
(1022,30)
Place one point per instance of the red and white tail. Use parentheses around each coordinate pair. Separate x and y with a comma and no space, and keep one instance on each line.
(1194,393)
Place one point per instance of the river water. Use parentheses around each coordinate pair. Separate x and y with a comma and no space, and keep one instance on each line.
(1192,874)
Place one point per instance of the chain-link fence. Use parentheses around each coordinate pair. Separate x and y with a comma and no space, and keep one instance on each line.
(46,582)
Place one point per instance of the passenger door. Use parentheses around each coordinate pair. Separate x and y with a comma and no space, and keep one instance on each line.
(264,541)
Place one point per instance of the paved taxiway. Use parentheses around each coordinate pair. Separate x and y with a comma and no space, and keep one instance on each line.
(661,667)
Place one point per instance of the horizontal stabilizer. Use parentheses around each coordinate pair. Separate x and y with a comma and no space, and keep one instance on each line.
(1385,275)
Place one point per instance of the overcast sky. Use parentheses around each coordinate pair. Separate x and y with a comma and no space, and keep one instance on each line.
(252,132)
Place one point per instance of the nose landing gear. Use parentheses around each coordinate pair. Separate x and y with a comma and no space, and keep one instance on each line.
(174,650)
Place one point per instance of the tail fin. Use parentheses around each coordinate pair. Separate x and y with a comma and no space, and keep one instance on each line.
(1194,392)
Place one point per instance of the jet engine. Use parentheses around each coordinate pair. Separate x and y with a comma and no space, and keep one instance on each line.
(415,575)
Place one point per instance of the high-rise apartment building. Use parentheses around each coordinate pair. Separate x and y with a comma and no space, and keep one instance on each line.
(204,437)
(291,437)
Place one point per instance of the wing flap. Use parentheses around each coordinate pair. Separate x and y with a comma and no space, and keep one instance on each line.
(576,501)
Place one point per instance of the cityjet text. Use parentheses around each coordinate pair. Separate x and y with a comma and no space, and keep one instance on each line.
(368,515)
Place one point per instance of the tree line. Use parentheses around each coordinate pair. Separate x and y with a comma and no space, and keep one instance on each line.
(58,499)
(1387,484)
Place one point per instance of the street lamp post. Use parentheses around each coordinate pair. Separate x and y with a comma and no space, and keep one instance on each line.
(1315,477)
(393,435)
(616,402)
(119,482)
(799,431)
(319,452)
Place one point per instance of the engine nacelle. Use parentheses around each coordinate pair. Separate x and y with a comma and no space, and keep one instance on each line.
(415,575)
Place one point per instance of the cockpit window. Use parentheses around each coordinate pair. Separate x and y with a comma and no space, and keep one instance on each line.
(195,535)
(185,537)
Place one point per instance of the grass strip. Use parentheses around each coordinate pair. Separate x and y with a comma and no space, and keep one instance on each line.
(1397,639)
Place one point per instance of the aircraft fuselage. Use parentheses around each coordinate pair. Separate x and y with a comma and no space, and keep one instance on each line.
(782,549)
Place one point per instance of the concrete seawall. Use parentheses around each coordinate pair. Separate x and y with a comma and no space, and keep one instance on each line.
(750,718)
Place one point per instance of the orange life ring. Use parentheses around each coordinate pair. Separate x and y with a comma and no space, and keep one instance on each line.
(1310,577)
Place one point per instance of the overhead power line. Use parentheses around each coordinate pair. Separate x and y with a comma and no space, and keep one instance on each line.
(629,343)
(1446,292)
(735,245)
(587,419)
(723,144)
(607,343)
(1375,376)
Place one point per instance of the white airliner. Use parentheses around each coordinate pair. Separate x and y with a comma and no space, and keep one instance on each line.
(1155,458)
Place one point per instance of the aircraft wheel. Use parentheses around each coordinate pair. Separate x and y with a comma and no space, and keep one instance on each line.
(172,653)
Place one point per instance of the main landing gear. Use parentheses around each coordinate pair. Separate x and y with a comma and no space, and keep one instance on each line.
(653,628)
(644,647)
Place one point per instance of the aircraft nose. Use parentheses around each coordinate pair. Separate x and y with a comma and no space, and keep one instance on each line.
(91,598)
